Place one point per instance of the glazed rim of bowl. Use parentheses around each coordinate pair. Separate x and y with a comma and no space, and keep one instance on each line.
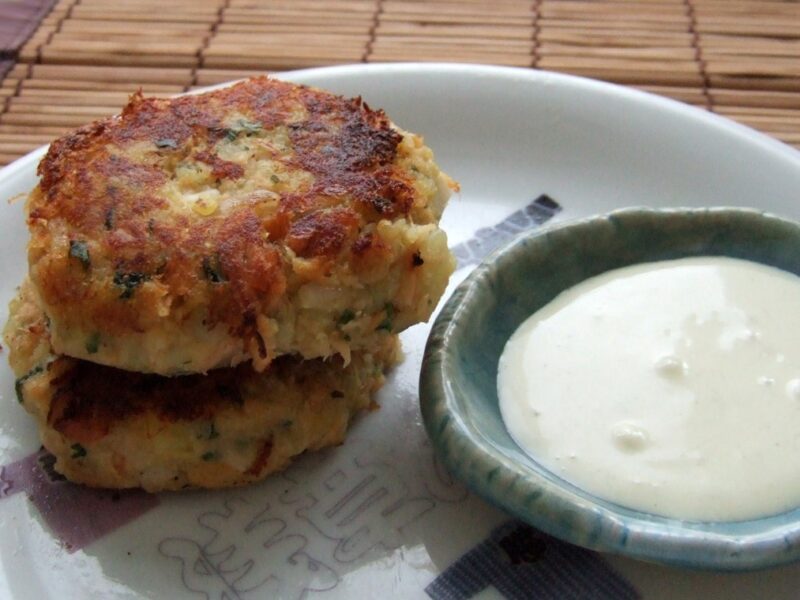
(462,422)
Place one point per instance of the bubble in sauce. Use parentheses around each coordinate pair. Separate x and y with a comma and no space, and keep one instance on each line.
(671,367)
(793,388)
(629,437)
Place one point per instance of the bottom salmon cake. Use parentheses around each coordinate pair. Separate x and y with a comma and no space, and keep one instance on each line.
(121,429)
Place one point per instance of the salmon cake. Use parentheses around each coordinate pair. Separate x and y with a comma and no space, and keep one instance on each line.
(262,219)
(118,429)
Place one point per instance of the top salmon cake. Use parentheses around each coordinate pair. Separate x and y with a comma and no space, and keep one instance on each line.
(241,224)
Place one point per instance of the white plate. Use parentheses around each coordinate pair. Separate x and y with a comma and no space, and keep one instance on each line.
(507,135)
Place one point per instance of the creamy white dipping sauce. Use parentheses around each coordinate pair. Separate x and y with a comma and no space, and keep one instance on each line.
(670,387)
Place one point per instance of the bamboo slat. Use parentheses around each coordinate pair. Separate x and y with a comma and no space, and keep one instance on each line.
(620,27)
(51,131)
(8,157)
(91,87)
(755,98)
(347,26)
(102,74)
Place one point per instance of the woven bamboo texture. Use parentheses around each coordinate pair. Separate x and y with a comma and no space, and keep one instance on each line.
(71,61)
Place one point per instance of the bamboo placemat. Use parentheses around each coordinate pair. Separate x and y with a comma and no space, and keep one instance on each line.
(738,58)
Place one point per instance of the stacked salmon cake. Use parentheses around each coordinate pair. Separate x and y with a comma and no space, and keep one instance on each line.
(216,282)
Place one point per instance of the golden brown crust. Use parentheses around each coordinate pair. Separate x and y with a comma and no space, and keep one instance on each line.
(116,249)
(89,399)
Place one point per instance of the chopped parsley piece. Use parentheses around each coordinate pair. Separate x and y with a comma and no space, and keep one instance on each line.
(110,216)
(242,126)
(21,381)
(346,316)
(93,343)
(78,451)
(47,463)
(274,178)
(128,282)
(167,143)
(209,456)
(80,250)
(248,127)
(212,432)
(386,324)
(382,205)
(212,269)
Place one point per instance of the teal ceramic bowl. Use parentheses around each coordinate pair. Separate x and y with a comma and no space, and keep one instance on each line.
(458,387)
